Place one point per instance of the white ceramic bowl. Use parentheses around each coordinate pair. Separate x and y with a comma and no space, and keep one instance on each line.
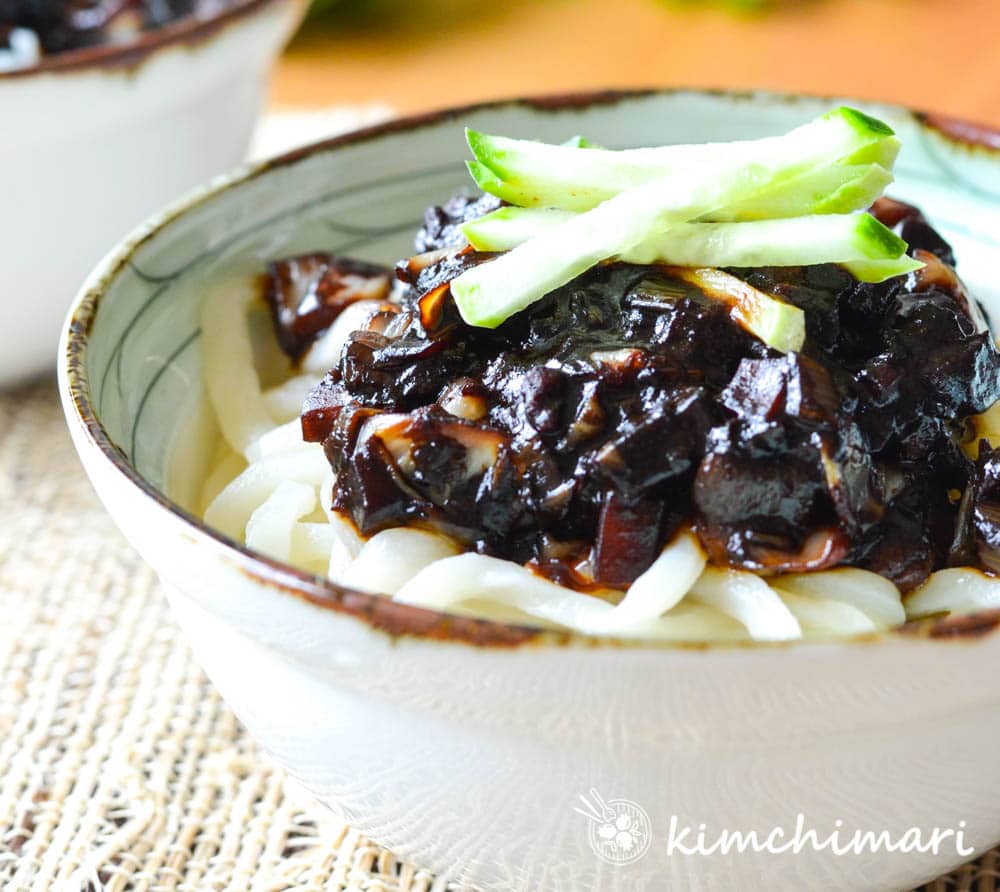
(95,140)
(465,745)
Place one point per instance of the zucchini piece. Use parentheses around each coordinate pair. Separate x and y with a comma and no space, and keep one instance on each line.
(488,181)
(541,175)
(831,189)
(835,189)
(508,227)
(492,292)
(818,192)
(800,241)
(780,325)
(580,142)
(880,270)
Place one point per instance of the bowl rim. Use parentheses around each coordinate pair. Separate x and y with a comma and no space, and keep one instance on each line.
(187,30)
(379,611)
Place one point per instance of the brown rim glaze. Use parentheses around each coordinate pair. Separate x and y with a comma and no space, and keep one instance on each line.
(189,30)
(380,611)
(975,136)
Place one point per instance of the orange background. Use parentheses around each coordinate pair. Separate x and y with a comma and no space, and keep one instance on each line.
(939,55)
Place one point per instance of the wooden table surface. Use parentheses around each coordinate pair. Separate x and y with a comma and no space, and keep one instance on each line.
(940,55)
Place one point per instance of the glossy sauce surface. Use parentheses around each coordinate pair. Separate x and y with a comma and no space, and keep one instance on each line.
(581,433)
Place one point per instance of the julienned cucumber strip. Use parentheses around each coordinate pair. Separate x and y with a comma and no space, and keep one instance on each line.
(508,227)
(488,181)
(868,141)
(780,325)
(802,241)
(541,175)
(834,189)
(880,270)
(494,291)
(831,189)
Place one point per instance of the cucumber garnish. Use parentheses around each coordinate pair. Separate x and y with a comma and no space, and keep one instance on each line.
(509,227)
(880,270)
(491,292)
(835,189)
(777,201)
(803,241)
(536,174)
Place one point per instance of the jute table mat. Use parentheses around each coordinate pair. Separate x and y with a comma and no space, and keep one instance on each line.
(120,768)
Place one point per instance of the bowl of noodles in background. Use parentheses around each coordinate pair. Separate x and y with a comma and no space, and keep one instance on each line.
(96,138)
(461,734)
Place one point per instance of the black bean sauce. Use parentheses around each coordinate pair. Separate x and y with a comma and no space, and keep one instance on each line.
(581,433)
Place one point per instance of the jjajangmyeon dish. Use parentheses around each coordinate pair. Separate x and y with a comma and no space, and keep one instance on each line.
(687,392)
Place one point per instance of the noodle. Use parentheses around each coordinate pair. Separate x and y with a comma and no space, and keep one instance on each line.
(227,355)
(284,402)
(229,466)
(873,595)
(232,508)
(819,617)
(662,586)
(311,546)
(390,559)
(448,582)
(956,590)
(272,491)
(750,600)
(269,529)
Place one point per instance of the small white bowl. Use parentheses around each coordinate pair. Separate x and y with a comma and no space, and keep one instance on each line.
(465,745)
(96,139)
